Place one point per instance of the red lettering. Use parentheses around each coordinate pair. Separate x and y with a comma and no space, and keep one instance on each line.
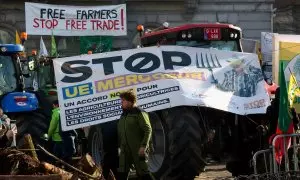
(99,26)
(75,24)
(43,23)
(105,25)
(36,22)
(55,23)
(48,24)
(93,24)
(84,24)
(42,20)
(67,24)
(116,24)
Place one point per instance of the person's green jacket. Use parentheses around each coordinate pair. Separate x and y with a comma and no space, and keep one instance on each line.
(134,131)
(53,130)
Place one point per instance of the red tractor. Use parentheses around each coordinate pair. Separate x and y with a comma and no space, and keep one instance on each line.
(184,136)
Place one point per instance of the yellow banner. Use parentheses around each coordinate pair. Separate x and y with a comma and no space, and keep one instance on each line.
(289,53)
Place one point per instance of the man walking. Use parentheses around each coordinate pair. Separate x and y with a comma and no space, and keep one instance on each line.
(64,146)
(53,131)
(134,130)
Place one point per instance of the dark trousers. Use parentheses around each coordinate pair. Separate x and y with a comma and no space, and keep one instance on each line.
(111,162)
(124,176)
(64,149)
(68,148)
(58,149)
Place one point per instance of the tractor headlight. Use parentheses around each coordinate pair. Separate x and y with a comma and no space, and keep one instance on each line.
(3,49)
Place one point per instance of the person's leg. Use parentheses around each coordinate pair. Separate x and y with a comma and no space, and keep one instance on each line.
(124,166)
(68,149)
(58,149)
(106,164)
(142,169)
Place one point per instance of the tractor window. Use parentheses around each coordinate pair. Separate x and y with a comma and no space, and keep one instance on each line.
(45,76)
(8,81)
(219,45)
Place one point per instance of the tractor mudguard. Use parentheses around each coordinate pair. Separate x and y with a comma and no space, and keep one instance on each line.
(19,102)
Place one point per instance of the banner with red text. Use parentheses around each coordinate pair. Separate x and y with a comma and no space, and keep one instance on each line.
(88,86)
(65,20)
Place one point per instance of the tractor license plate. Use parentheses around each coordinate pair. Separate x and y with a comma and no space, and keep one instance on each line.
(212,34)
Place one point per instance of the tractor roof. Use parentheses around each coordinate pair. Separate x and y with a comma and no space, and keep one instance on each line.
(190,26)
(11,48)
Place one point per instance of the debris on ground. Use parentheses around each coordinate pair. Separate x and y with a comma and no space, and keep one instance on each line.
(17,162)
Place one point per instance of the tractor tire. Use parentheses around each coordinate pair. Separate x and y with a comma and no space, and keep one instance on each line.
(183,148)
(36,124)
(159,157)
(95,144)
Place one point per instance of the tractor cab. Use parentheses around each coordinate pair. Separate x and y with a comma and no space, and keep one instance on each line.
(12,88)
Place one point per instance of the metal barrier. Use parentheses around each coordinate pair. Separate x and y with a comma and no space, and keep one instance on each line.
(265,153)
(291,175)
(273,171)
(294,145)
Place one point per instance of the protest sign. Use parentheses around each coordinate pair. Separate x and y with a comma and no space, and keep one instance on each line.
(62,20)
(162,77)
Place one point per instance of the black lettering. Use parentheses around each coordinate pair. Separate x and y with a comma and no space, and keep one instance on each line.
(56,13)
(146,58)
(108,15)
(43,11)
(103,14)
(67,69)
(114,13)
(62,14)
(97,14)
(49,13)
(169,63)
(90,14)
(107,63)
(84,15)
(78,14)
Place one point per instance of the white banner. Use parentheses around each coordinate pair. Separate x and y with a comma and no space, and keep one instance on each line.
(63,20)
(162,77)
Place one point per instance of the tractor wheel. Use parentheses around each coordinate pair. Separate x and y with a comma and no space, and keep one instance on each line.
(95,144)
(34,123)
(182,147)
(159,156)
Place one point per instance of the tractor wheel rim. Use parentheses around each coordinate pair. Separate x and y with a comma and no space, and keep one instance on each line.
(157,157)
(96,148)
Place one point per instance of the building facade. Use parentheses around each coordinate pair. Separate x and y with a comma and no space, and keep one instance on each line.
(287,19)
(253,16)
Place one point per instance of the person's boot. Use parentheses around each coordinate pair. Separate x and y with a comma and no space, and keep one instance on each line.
(122,176)
(147,177)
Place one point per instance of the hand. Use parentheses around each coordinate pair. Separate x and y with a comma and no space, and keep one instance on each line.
(142,151)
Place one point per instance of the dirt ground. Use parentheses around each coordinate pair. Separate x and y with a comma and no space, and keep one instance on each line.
(215,171)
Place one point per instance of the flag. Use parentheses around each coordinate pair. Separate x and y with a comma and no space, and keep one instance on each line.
(18,40)
(285,122)
(43,51)
(96,44)
(53,47)
(293,89)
